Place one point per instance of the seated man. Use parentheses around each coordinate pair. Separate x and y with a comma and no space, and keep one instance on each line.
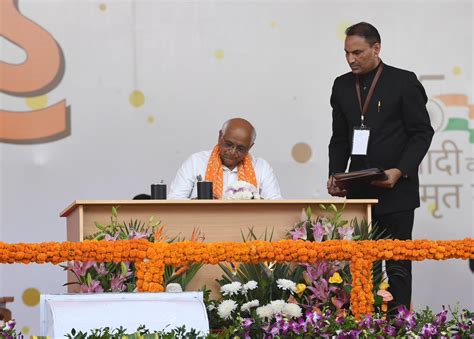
(227,163)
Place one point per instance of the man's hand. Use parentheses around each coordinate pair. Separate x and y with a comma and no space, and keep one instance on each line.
(333,189)
(393,175)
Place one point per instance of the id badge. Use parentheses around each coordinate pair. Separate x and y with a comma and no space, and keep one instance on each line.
(360,140)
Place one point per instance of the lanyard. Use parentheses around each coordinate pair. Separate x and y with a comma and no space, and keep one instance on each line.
(363,110)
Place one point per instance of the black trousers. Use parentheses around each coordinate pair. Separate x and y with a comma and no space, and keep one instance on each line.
(397,225)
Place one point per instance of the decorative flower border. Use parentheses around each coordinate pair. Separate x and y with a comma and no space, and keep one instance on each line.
(151,258)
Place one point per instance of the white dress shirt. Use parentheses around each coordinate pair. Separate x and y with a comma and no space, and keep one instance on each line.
(184,184)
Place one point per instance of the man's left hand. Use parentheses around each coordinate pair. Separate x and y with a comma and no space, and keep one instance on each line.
(393,175)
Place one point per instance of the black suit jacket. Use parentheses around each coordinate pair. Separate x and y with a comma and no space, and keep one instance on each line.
(400,134)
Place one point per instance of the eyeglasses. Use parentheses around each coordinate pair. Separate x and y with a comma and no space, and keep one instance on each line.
(229,146)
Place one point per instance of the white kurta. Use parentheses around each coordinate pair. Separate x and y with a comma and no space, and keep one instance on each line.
(184,184)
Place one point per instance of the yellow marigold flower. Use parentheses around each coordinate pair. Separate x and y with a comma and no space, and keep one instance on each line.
(335,279)
(300,288)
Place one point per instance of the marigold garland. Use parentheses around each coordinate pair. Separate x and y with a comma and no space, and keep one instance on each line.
(150,258)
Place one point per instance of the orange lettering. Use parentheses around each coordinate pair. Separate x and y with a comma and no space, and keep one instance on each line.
(40,73)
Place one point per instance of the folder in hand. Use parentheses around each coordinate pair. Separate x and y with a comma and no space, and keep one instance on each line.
(345,180)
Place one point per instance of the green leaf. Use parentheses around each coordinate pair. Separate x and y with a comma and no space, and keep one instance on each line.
(88,279)
(378,300)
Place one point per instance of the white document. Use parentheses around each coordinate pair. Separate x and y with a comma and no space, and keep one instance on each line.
(360,141)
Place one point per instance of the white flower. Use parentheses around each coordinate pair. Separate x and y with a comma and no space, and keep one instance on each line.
(241,190)
(250,285)
(225,308)
(247,306)
(173,288)
(286,284)
(292,311)
(210,307)
(265,312)
(277,306)
(231,289)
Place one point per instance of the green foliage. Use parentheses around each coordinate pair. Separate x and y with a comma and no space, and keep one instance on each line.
(141,333)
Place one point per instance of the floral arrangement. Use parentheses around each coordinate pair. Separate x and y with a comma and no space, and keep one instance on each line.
(150,258)
(269,286)
(287,291)
(330,282)
(95,277)
(241,190)
(286,322)
(8,331)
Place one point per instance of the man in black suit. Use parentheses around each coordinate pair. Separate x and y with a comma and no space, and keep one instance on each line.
(380,120)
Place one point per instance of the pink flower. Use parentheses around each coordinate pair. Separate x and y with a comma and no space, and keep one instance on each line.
(386,295)
(94,287)
(108,237)
(139,235)
(299,233)
(100,269)
(116,284)
(80,268)
(345,232)
(318,232)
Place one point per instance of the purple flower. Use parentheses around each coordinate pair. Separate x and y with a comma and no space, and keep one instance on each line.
(266,327)
(464,327)
(353,334)
(301,324)
(429,330)
(405,317)
(246,323)
(379,323)
(366,322)
(441,317)
(319,291)
(314,272)
(285,326)
(11,324)
(299,233)
(345,232)
(274,330)
(318,232)
(390,330)
(312,317)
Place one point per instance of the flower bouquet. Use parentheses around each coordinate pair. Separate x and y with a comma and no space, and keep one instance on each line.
(241,190)
(93,277)
(285,292)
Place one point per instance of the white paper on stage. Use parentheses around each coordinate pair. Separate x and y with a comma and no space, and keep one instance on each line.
(59,314)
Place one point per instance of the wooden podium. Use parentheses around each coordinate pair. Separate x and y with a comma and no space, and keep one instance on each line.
(219,220)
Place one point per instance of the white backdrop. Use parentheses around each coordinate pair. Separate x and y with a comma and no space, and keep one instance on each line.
(198,63)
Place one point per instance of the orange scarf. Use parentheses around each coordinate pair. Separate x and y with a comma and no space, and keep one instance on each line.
(215,172)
